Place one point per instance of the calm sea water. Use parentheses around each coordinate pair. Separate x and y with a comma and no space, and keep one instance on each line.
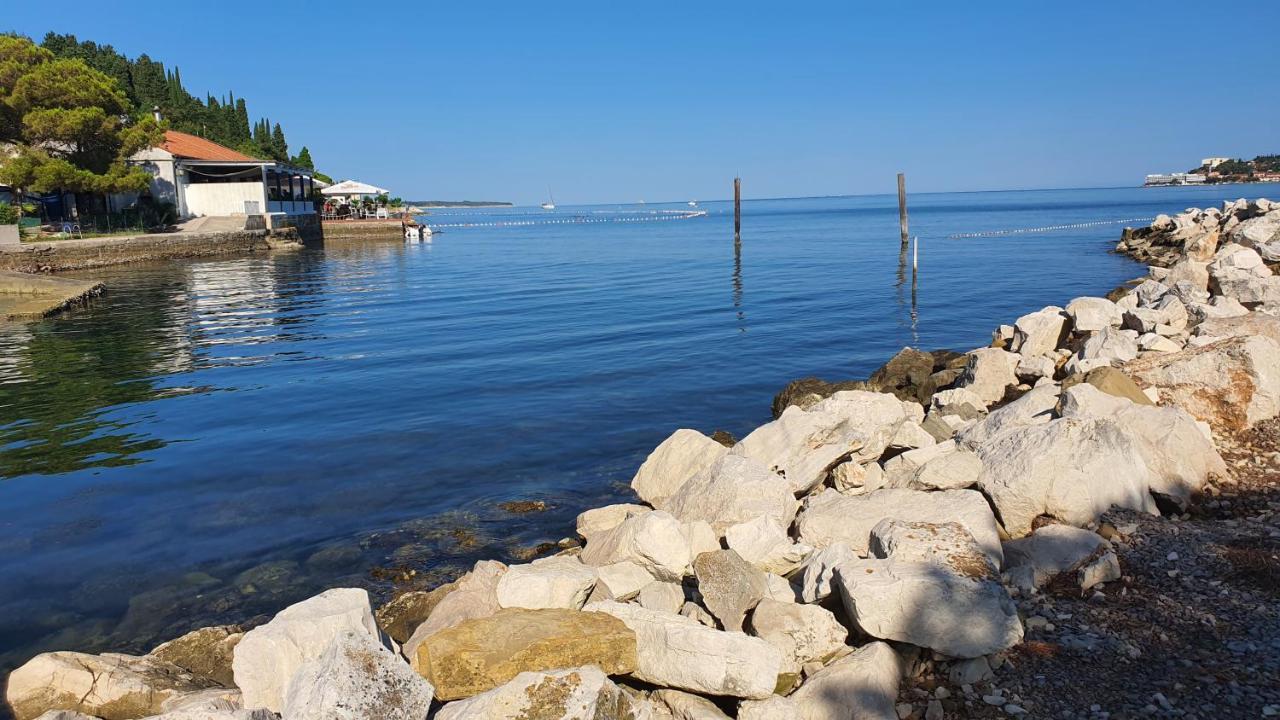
(213,439)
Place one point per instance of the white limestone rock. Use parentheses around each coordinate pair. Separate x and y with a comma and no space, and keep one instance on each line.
(677,652)
(1107,346)
(830,517)
(1039,333)
(582,693)
(802,633)
(654,540)
(662,596)
(779,588)
(733,490)
(862,685)
(1036,407)
(819,570)
(945,544)
(803,445)
(687,706)
(952,468)
(774,708)
(552,582)
(1072,469)
(1032,369)
(621,581)
(988,373)
(268,656)
(953,610)
(911,435)
(1091,314)
(110,685)
(1180,456)
(852,477)
(1031,562)
(766,545)
(1232,384)
(474,596)
(958,401)
(355,678)
(599,519)
(673,463)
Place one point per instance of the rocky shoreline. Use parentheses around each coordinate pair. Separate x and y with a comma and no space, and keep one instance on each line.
(905,546)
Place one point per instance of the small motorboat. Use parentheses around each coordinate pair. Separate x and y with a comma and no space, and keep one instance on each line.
(417,233)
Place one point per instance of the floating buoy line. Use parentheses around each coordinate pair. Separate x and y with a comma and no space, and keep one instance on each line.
(1047,228)
(595,216)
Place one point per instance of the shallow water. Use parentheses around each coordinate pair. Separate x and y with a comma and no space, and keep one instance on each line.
(213,439)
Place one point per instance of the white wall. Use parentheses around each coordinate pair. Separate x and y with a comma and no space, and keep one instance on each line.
(223,198)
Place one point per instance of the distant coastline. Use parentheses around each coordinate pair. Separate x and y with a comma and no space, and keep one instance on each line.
(457,203)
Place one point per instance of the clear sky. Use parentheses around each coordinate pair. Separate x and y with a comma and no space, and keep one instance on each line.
(611,102)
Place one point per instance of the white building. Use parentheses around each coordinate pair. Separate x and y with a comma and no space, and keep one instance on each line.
(1213,162)
(202,178)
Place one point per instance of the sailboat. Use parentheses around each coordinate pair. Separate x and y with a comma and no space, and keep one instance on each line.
(550,204)
(693,203)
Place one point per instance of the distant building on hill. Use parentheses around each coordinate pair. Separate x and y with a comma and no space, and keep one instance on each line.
(1213,162)
(1175,179)
(202,178)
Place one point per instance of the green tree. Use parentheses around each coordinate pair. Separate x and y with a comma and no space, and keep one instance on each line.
(303,160)
(279,148)
(69,125)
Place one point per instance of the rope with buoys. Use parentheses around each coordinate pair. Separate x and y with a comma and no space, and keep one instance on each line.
(652,216)
(1047,228)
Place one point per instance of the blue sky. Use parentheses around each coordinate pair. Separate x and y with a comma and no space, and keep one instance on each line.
(609,102)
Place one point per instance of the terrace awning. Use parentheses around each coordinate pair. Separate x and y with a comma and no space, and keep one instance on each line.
(353,187)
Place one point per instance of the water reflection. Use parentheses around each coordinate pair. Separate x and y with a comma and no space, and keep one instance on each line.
(910,315)
(737,284)
(63,378)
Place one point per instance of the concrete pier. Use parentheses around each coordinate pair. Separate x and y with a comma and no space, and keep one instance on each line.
(24,296)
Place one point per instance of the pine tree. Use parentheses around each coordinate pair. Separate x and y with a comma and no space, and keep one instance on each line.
(280,148)
(304,159)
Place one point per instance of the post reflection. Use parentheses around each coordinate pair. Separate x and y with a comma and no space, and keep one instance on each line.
(737,285)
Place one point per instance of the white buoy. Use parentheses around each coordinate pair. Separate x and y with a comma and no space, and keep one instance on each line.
(915,252)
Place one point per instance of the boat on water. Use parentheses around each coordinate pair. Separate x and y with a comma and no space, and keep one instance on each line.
(693,203)
(550,204)
(417,233)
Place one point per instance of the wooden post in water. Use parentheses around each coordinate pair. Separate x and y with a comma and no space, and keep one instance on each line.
(737,209)
(902,206)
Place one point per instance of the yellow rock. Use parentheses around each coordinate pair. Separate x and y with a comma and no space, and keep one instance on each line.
(483,653)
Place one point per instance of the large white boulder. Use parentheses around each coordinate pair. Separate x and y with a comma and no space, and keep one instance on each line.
(946,544)
(803,445)
(830,517)
(269,655)
(583,693)
(862,685)
(1257,231)
(475,595)
(1107,346)
(355,678)
(621,581)
(1039,333)
(766,545)
(1232,384)
(1036,407)
(802,633)
(110,686)
(673,463)
(989,372)
(1180,455)
(674,651)
(553,582)
(1032,561)
(597,520)
(654,540)
(1072,469)
(1091,314)
(960,611)
(733,490)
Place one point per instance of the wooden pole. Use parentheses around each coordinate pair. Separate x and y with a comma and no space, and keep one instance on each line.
(902,206)
(737,209)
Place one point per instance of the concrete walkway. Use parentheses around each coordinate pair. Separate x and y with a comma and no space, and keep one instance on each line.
(24,296)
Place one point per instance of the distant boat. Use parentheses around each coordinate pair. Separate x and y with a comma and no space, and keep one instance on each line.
(550,204)
(693,203)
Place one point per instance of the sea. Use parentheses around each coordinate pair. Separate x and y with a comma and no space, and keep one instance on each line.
(213,439)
